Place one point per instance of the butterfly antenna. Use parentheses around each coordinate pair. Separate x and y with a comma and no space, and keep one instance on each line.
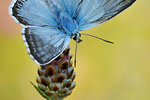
(97,38)
(75,54)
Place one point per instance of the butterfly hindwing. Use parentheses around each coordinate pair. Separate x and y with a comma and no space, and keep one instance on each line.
(44,43)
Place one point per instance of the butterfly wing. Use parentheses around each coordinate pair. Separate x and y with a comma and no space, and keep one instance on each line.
(98,11)
(32,13)
(43,39)
(70,6)
(44,44)
(90,13)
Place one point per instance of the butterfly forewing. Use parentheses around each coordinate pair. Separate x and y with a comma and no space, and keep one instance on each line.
(103,11)
(90,13)
(70,6)
(32,12)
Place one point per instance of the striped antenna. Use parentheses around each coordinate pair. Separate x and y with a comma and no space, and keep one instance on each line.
(97,38)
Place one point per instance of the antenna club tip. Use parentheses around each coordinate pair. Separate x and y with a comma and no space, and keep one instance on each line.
(111,42)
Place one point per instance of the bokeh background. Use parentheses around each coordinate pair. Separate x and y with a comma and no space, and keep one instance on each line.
(104,71)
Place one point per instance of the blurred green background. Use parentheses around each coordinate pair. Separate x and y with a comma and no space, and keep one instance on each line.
(104,71)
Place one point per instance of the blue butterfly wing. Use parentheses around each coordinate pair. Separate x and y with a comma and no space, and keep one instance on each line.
(91,13)
(39,18)
(45,43)
(32,13)
(69,6)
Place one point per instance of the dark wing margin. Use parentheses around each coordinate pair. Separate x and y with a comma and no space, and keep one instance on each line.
(44,44)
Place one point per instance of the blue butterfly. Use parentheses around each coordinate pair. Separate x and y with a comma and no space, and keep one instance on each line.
(48,25)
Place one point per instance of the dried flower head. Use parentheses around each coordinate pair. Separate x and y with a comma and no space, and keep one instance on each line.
(55,80)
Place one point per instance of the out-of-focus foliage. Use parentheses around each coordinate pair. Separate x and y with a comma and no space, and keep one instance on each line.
(104,71)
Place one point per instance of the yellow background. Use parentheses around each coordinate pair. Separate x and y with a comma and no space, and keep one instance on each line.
(104,71)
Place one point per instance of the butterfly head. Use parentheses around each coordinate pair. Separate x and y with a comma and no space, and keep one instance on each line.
(76,37)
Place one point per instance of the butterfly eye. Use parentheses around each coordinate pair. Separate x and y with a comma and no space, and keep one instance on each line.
(75,37)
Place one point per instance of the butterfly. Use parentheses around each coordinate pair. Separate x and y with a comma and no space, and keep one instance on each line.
(48,25)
